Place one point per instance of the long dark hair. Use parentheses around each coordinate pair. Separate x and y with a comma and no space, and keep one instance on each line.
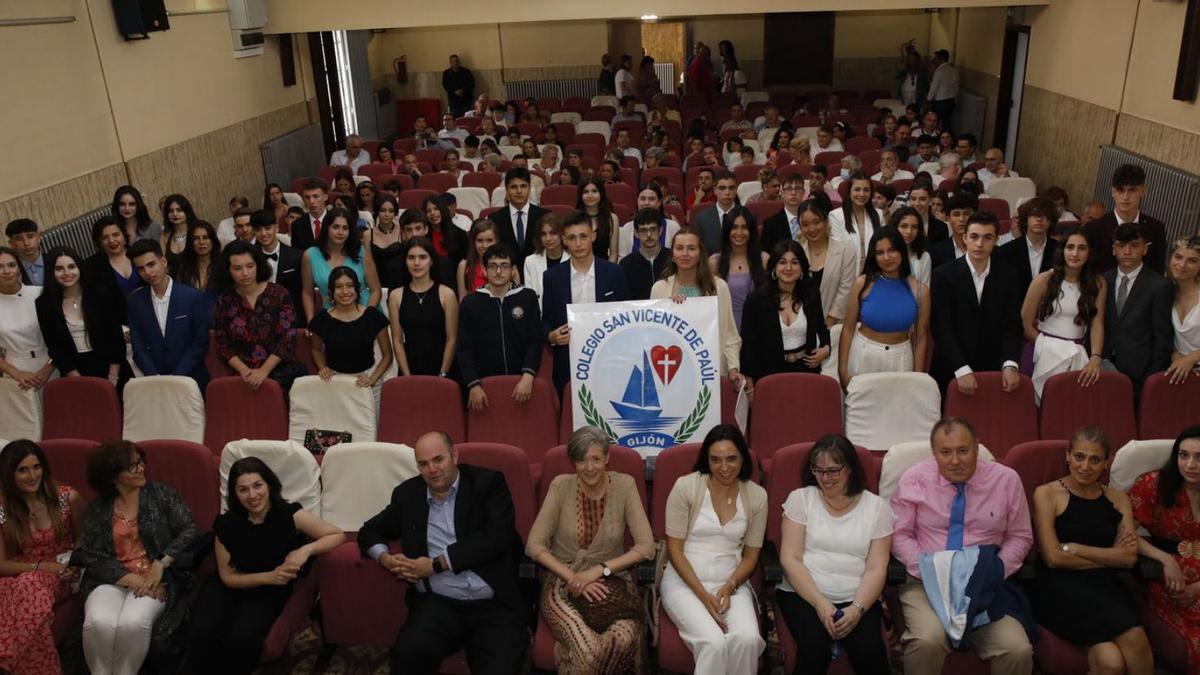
(142,214)
(753,254)
(871,268)
(725,432)
(1170,481)
(247,465)
(91,302)
(426,244)
(352,249)
(917,247)
(848,207)
(603,208)
(770,291)
(658,192)
(17,528)
(478,227)
(188,212)
(1089,286)
(267,196)
(187,270)
(450,241)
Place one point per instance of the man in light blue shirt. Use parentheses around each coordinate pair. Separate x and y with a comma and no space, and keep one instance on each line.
(24,238)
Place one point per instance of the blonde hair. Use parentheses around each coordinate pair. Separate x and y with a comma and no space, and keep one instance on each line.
(1192,242)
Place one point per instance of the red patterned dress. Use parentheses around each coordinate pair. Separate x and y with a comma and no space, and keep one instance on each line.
(27,601)
(1177,524)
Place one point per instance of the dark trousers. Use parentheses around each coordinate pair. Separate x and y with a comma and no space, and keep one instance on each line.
(229,626)
(945,112)
(494,637)
(814,647)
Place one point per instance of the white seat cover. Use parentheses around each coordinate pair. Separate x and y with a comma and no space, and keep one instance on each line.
(901,456)
(293,199)
(473,199)
(357,480)
(606,99)
(596,127)
(297,470)
(895,105)
(163,407)
(748,189)
(883,409)
(749,97)
(1013,191)
(337,405)
(1137,458)
(567,117)
(509,151)
(499,196)
(20,411)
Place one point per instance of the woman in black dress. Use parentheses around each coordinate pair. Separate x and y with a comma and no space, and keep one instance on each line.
(424,315)
(1086,534)
(344,336)
(264,544)
(783,326)
(386,239)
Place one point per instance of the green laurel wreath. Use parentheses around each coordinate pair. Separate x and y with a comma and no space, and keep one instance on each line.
(693,420)
(592,415)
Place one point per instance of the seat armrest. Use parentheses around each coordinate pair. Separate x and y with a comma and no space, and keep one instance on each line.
(643,573)
(527,569)
(771,566)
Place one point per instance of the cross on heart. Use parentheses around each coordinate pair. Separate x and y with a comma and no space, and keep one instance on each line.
(666,361)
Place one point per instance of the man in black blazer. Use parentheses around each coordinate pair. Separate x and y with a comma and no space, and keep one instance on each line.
(459,549)
(959,209)
(1033,253)
(304,231)
(976,313)
(1128,190)
(785,224)
(285,260)
(598,281)
(518,220)
(1138,334)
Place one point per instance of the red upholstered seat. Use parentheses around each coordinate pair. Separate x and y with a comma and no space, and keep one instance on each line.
(81,407)
(189,468)
(411,406)
(620,459)
(861,144)
(747,172)
(829,157)
(374,171)
(1108,404)
(438,182)
(996,207)
(672,174)
(411,199)
(1165,411)
(233,411)
(531,426)
(1001,419)
(623,192)
(68,461)
(1037,462)
(560,194)
(487,180)
(432,156)
(512,462)
(793,407)
(763,210)
(406,181)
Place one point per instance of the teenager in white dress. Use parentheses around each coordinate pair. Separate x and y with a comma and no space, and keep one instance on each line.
(23,355)
(1183,269)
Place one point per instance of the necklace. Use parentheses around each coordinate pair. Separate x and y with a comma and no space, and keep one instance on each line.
(420,295)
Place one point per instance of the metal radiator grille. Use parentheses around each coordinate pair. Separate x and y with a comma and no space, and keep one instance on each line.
(1173,196)
(293,155)
(76,232)
(551,88)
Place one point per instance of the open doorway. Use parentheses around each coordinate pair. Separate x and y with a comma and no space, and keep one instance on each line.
(1012,86)
(664,41)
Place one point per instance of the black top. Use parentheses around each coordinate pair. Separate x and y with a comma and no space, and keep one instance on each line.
(103,331)
(423,320)
(762,336)
(642,273)
(262,547)
(386,254)
(551,262)
(349,345)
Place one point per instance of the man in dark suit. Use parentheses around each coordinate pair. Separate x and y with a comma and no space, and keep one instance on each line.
(785,224)
(305,230)
(459,549)
(1033,253)
(285,260)
(976,313)
(168,322)
(709,221)
(1138,334)
(585,278)
(958,210)
(518,220)
(1128,190)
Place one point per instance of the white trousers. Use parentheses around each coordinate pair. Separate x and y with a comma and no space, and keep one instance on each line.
(869,356)
(715,652)
(116,630)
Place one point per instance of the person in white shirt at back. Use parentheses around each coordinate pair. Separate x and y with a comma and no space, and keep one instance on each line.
(450,129)
(626,84)
(825,142)
(225,227)
(889,168)
(949,167)
(353,156)
(549,161)
(994,167)
(625,146)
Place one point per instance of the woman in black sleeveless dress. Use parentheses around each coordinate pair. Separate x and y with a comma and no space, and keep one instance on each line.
(1086,535)
(424,315)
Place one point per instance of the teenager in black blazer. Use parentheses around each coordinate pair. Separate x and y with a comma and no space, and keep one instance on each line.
(91,303)
(1036,218)
(286,259)
(976,332)
(1139,339)
(517,194)
(486,545)
(762,336)
(315,193)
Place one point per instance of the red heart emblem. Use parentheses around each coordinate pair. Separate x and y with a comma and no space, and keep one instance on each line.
(666,361)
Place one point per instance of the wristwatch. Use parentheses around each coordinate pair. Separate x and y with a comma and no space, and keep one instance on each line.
(1066,548)
(437,565)
(606,569)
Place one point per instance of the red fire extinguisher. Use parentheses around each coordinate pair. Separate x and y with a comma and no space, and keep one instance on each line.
(401,66)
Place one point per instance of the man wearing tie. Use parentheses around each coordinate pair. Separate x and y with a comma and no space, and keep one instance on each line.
(518,220)
(1138,334)
(710,220)
(306,229)
(459,550)
(948,502)
(586,279)
(168,324)
(785,224)
(285,260)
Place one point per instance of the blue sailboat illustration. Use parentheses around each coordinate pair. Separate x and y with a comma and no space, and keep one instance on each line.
(639,407)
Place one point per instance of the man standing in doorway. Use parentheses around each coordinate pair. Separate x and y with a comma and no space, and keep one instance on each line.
(943,88)
(459,84)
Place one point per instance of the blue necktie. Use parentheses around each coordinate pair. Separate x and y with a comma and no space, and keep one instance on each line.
(520,229)
(958,512)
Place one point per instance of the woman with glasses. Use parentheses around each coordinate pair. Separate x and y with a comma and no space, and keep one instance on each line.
(834,552)
(133,591)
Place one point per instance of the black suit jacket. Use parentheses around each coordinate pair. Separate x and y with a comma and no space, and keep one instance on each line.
(937,231)
(941,253)
(96,271)
(774,230)
(762,337)
(1099,234)
(1139,340)
(968,331)
(611,286)
(302,233)
(287,274)
(503,220)
(486,543)
(103,331)
(1015,254)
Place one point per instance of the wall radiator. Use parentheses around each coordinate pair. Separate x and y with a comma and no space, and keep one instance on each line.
(76,232)
(559,89)
(295,154)
(1173,196)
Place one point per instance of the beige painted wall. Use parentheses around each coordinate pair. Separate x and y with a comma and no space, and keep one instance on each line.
(561,43)
(879,34)
(1079,48)
(429,49)
(980,39)
(745,31)
(942,27)
(1152,64)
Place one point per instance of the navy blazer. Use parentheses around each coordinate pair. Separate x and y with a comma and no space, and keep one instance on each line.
(181,351)
(611,286)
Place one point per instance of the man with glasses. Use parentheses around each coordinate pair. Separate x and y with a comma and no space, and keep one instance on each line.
(785,224)
(353,156)
(499,331)
(645,265)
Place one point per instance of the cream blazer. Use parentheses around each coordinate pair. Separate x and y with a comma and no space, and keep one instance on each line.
(842,267)
(555,528)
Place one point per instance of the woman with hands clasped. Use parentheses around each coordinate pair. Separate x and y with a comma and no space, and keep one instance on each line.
(588,598)
(716,517)
(834,552)
(264,544)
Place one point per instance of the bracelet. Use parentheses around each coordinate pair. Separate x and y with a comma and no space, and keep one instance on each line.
(859,606)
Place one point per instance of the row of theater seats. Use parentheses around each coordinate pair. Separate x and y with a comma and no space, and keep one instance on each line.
(363,605)
(878,411)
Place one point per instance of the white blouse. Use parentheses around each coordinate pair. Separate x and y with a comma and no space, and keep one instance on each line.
(1187,330)
(20,335)
(836,547)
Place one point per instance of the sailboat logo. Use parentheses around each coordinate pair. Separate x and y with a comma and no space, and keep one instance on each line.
(639,408)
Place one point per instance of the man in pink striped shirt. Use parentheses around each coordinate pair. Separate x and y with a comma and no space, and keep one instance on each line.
(950,501)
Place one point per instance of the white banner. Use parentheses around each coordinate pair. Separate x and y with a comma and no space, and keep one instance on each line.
(646,372)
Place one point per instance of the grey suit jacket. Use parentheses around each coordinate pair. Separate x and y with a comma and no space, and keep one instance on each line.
(708,224)
(1139,340)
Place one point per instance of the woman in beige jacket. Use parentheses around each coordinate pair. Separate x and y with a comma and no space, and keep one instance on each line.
(578,539)
(835,263)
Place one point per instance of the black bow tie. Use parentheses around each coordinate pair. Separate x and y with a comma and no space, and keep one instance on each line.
(274,256)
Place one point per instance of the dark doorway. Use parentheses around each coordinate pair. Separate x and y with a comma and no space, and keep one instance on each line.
(1012,86)
(329,93)
(790,59)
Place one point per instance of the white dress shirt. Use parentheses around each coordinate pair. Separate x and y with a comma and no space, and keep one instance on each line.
(1035,255)
(1121,276)
(161,305)
(979,279)
(834,146)
(273,262)
(900,174)
(512,216)
(583,284)
(944,84)
(340,158)
(986,177)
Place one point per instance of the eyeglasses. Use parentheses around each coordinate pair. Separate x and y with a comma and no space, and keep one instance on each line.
(827,473)
(648,230)
(137,467)
(793,188)
(499,267)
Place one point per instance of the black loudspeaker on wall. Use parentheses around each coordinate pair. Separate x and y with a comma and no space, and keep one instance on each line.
(136,19)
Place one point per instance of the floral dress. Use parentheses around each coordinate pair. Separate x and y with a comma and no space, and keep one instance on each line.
(1176,524)
(27,600)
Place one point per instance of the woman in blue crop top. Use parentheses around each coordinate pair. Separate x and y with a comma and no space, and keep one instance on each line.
(893,308)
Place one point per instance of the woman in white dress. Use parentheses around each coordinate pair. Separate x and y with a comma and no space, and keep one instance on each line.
(907,221)
(858,218)
(716,517)
(23,355)
(1184,271)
